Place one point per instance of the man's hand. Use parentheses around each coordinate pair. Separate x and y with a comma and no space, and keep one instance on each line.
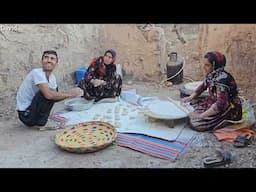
(76,92)
(59,96)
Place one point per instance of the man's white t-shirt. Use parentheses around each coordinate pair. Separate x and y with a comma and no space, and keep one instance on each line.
(28,88)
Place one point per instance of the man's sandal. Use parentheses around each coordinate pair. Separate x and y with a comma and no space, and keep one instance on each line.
(222,158)
(243,140)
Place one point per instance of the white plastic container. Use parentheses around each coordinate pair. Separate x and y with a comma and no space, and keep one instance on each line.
(119,70)
(78,104)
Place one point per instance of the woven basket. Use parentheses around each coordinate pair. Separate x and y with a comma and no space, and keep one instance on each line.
(86,137)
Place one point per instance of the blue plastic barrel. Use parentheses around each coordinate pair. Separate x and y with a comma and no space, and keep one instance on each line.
(79,73)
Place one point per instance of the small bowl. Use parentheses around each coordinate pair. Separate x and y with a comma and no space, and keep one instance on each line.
(78,104)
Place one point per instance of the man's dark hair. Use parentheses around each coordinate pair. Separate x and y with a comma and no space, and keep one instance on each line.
(50,52)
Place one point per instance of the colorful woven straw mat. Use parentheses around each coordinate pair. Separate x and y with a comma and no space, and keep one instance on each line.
(86,137)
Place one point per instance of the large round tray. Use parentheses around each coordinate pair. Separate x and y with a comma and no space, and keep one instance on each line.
(86,137)
(164,110)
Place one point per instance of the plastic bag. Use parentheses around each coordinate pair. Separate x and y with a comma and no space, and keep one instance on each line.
(248,112)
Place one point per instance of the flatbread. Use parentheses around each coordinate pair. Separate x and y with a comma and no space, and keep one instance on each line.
(192,85)
(164,110)
(86,137)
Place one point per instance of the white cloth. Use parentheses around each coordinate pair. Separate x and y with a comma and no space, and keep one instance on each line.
(132,97)
(28,87)
(126,118)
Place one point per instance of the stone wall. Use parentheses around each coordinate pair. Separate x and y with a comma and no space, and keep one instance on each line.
(21,48)
(238,43)
(141,50)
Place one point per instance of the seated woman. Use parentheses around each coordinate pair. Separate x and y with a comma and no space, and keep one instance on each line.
(101,80)
(222,103)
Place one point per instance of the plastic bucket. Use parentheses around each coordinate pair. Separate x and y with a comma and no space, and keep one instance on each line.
(79,74)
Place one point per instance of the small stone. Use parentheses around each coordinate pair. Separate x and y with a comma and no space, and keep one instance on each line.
(168,84)
(129,82)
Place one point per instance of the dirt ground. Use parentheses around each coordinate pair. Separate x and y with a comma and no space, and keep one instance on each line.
(21,147)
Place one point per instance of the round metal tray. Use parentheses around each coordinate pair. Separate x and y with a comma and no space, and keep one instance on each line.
(164,110)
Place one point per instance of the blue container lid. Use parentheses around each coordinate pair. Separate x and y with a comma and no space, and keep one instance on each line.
(82,69)
(80,74)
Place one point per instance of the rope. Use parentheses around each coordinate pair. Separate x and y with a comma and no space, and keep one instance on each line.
(169,78)
(192,80)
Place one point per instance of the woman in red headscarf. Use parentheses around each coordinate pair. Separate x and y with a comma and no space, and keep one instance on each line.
(101,80)
(222,103)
